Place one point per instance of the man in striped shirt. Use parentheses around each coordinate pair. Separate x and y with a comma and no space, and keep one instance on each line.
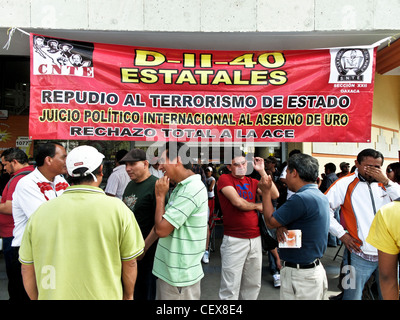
(181,226)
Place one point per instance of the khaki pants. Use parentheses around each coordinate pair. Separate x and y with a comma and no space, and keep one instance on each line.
(167,292)
(303,284)
(241,261)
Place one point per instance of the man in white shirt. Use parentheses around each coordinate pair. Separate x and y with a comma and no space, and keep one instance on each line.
(154,168)
(359,195)
(44,183)
(119,178)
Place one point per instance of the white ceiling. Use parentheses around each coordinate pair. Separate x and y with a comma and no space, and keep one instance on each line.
(200,40)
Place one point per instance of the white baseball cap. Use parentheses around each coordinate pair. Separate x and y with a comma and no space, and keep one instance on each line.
(84,157)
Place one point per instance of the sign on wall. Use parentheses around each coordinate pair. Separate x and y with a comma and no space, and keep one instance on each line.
(95,91)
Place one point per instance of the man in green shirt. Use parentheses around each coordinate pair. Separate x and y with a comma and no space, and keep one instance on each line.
(181,226)
(82,245)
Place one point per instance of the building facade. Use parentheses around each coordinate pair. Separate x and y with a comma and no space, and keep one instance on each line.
(219,25)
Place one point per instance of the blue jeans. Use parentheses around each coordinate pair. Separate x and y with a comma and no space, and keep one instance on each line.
(356,275)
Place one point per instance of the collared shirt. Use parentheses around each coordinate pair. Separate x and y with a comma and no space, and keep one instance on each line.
(117,181)
(80,239)
(359,201)
(307,210)
(31,191)
(384,233)
(178,256)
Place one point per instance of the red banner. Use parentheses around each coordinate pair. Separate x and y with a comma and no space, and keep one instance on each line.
(95,91)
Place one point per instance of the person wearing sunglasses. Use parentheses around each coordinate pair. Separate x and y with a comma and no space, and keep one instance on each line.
(393,172)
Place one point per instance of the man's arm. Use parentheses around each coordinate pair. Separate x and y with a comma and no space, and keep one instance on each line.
(265,186)
(6,207)
(211,186)
(29,279)
(243,205)
(388,275)
(162,227)
(336,194)
(258,165)
(129,274)
(148,242)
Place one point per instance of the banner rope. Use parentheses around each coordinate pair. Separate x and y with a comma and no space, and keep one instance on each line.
(393,38)
(10,33)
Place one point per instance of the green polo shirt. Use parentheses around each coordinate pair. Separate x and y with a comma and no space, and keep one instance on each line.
(178,256)
(77,243)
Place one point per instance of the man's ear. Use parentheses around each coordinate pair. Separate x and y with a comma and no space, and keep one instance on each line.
(229,166)
(101,170)
(48,160)
(294,172)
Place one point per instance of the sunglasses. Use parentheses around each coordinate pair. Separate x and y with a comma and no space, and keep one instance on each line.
(389,170)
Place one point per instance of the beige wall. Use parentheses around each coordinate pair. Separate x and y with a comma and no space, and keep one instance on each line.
(384,131)
(202,15)
(386,110)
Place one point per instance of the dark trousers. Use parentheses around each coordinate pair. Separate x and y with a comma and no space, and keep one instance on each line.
(145,286)
(16,288)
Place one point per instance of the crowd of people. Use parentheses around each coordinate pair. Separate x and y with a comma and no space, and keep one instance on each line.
(146,236)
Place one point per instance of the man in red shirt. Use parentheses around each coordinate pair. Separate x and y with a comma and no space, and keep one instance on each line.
(241,250)
(15,162)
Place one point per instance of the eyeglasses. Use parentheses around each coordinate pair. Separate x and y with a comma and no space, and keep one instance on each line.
(389,170)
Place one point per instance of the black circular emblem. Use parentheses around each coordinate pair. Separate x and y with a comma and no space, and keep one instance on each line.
(352,62)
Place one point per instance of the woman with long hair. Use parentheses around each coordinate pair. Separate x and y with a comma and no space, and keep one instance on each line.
(393,172)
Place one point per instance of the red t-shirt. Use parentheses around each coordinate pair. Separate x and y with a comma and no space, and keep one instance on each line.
(6,220)
(239,224)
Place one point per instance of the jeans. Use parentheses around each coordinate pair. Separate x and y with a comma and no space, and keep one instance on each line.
(356,275)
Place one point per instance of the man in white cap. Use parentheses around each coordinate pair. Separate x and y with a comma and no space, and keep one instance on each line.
(83,245)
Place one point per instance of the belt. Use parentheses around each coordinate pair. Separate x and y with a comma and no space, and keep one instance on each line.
(301,266)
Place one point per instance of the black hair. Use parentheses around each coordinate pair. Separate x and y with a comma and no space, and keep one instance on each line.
(11,154)
(175,149)
(306,166)
(294,151)
(46,150)
(83,178)
(120,154)
(369,153)
(395,166)
(331,167)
